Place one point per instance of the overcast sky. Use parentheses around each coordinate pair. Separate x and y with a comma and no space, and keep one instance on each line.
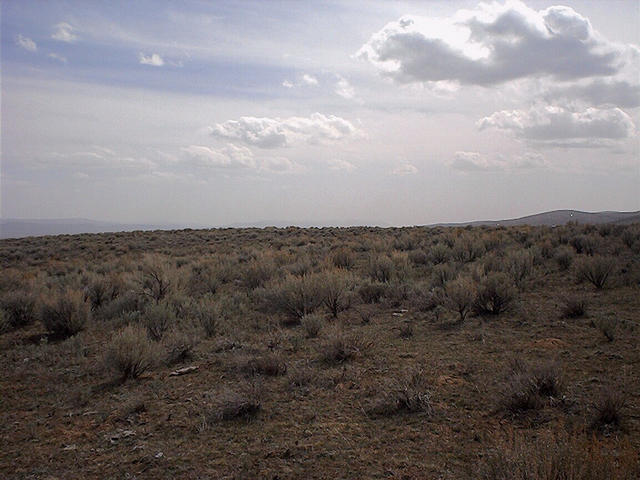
(212,112)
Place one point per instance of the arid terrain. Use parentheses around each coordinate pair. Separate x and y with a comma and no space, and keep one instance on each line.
(405,353)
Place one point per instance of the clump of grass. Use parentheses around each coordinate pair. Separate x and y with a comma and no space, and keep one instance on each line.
(608,326)
(596,270)
(607,411)
(65,314)
(340,347)
(410,392)
(555,457)
(312,324)
(574,307)
(527,388)
(269,364)
(131,353)
(372,292)
(228,404)
(179,347)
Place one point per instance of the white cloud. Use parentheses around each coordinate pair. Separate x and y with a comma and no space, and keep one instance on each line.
(276,132)
(234,157)
(309,79)
(494,44)
(63,32)
(58,57)
(231,156)
(154,60)
(404,169)
(478,162)
(344,88)
(339,164)
(26,43)
(305,80)
(558,125)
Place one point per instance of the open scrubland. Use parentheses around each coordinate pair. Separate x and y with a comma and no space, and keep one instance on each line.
(490,353)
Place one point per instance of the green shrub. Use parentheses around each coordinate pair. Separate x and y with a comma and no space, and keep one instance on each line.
(380,268)
(202,280)
(519,266)
(101,291)
(596,269)
(19,308)
(564,258)
(495,294)
(126,303)
(208,316)
(343,258)
(336,287)
(65,315)
(158,318)
(459,296)
(154,281)
(295,296)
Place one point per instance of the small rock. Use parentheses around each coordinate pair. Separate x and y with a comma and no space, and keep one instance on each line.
(159,455)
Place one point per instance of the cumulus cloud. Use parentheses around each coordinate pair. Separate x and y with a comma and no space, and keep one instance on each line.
(63,32)
(404,169)
(494,44)
(282,132)
(26,43)
(559,125)
(344,88)
(154,60)
(478,162)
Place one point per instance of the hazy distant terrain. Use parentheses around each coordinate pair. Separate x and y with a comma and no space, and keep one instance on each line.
(557,217)
(17,228)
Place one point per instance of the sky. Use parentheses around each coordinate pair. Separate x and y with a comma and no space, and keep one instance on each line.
(211,113)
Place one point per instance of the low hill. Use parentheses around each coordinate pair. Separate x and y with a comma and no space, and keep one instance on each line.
(556,217)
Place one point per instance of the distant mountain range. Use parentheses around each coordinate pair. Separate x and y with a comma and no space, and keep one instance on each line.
(17,228)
